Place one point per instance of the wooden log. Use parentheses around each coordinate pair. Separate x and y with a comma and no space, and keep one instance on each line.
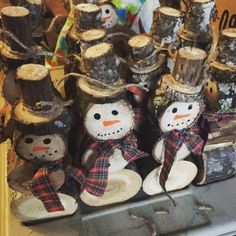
(189,65)
(16,20)
(221,73)
(87,16)
(36,86)
(198,19)
(35,8)
(226,47)
(222,132)
(217,163)
(91,37)
(170,3)
(166,23)
(141,46)
(72,40)
(101,63)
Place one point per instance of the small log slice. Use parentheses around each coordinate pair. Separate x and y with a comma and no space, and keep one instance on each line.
(189,65)
(141,46)
(16,20)
(226,47)
(166,23)
(101,63)
(87,16)
(217,163)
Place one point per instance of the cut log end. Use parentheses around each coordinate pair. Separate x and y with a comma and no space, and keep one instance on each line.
(139,41)
(192,53)
(87,7)
(202,1)
(92,35)
(33,72)
(35,2)
(13,11)
(97,50)
(230,32)
(170,11)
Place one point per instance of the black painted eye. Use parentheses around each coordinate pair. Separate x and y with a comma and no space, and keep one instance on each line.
(29,140)
(174,110)
(107,11)
(115,112)
(190,107)
(97,116)
(47,141)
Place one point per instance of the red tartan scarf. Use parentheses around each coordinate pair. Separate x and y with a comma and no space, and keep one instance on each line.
(42,188)
(96,181)
(173,141)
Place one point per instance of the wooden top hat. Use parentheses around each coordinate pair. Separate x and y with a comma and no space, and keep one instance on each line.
(38,104)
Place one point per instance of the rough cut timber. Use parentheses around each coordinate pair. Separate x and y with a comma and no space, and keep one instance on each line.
(35,8)
(101,63)
(188,66)
(141,46)
(198,19)
(87,16)
(166,23)
(217,163)
(226,47)
(170,3)
(34,81)
(16,20)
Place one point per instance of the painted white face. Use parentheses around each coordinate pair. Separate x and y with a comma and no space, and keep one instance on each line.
(109,16)
(110,120)
(179,115)
(43,148)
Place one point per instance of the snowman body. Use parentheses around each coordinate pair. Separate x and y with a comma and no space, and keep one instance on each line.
(109,121)
(177,116)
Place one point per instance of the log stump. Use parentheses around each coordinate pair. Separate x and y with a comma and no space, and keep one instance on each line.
(101,63)
(189,65)
(166,23)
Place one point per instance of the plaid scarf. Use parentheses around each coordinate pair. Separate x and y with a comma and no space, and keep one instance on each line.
(42,188)
(173,141)
(215,117)
(96,181)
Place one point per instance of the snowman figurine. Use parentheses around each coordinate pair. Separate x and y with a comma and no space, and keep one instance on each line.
(177,114)
(109,16)
(109,121)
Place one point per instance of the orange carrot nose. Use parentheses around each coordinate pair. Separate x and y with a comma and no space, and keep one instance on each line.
(40,148)
(104,18)
(110,122)
(177,117)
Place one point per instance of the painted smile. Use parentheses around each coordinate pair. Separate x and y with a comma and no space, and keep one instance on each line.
(108,134)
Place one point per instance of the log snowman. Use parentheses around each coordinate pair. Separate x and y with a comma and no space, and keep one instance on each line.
(42,124)
(109,121)
(177,105)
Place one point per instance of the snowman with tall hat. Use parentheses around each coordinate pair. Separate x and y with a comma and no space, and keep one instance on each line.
(176,106)
(109,121)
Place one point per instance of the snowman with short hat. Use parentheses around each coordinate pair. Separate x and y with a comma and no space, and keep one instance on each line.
(177,106)
(109,121)
(42,124)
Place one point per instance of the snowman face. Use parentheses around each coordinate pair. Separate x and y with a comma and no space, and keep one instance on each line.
(110,120)
(43,148)
(179,115)
(109,16)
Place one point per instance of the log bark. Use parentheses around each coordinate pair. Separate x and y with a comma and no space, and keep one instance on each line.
(35,8)
(36,86)
(170,3)
(226,47)
(87,16)
(217,163)
(198,19)
(166,23)
(16,20)
(141,46)
(101,63)
(72,39)
(189,65)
